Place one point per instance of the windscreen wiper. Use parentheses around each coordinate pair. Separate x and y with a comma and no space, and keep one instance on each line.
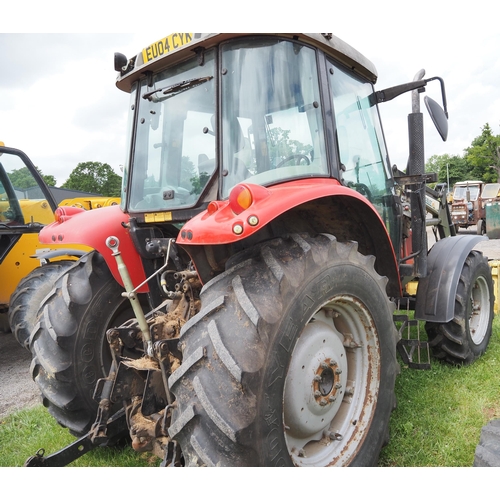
(179,87)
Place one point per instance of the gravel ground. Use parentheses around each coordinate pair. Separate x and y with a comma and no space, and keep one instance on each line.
(17,389)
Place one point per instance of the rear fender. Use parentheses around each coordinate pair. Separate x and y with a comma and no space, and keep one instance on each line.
(436,292)
(221,223)
(92,228)
(225,224)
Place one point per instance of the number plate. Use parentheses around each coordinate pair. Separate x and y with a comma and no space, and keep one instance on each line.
(166,45)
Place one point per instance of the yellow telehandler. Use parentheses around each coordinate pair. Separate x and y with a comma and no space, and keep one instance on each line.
(28,268)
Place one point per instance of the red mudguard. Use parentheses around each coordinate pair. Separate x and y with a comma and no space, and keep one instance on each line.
(217,224)
(92,228)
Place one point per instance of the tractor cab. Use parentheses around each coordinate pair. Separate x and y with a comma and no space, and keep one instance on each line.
(215,110)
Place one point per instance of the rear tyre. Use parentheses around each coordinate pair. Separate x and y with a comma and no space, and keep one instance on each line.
(291,361)
(27,297)
(463,339)
(481,227)
(68,344)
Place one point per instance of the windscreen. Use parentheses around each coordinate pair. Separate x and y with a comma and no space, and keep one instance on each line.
(174,150)
(360,142)
(460,193)
(490,191)
(272,123)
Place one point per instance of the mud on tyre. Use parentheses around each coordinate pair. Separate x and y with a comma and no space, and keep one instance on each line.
(291,361)
(68,344)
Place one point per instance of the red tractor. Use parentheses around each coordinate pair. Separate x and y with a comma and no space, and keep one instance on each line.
(238,308)
(468,208)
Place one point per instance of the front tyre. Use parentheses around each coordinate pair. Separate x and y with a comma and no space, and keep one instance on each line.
(68,344)
(291,360)
(463,339)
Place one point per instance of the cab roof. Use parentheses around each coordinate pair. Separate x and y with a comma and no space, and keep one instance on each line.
(179,46)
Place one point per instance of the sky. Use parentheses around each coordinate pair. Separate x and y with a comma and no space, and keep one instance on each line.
(60,105)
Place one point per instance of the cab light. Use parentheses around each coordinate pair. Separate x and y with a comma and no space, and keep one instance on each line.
(240,199)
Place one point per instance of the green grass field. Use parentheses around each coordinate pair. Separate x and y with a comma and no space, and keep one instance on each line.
(440,411)
(437,422)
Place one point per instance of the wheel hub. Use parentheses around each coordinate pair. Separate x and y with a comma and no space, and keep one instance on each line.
(315,381)
(327,382)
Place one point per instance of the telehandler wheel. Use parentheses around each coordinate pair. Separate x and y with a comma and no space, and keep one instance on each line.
(31,290)
(463,339)
(68,344)
(291,360)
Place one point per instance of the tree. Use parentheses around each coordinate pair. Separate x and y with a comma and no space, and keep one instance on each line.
(453,167)
(282,147)
(22,178)
(94,177)
(484,156)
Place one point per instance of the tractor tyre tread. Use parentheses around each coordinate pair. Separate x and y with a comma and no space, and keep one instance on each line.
(451,342)
(29,294)
(218,387)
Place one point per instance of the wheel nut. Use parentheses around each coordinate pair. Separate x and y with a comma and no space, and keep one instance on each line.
(323,402)
(338,371)
(317,394)
(317,378)
(335,436)
(324,365)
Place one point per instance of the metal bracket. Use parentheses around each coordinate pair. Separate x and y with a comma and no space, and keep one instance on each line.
(408,347)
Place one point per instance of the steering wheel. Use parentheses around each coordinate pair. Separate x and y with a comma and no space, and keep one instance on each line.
(297,157)
(364,190)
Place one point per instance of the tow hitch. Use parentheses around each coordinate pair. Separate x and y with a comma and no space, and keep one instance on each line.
(117,428)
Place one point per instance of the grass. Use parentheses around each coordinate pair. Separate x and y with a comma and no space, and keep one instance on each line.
(24,432)
(441,411)
(437,422)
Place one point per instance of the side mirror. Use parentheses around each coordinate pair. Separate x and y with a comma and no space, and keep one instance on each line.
(438,117)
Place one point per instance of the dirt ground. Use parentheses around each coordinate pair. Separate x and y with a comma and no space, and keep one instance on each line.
(17,389)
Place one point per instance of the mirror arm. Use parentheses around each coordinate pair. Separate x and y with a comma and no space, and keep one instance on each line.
(443,93)
(392,92)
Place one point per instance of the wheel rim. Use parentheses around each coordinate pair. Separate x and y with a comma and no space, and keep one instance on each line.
(332,384)
(480,310)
